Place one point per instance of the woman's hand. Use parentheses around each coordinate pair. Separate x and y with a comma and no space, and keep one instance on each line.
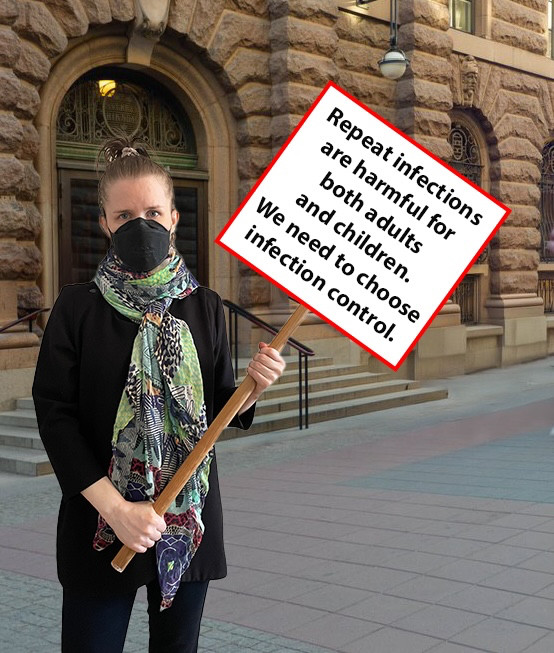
(265,368)
(137,524)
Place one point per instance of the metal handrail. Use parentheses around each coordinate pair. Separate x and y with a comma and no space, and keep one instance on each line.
(303,353)
(26,318)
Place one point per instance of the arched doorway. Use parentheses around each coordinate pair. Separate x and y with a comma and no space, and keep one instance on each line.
(100,103)
(470,159)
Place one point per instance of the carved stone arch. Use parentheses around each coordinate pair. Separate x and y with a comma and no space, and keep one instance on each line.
(468,123)
(205,102)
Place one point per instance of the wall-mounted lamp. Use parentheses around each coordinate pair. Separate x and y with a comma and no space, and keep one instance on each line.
(394,62)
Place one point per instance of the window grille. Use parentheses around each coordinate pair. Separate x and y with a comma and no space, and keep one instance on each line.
(88,116)
(466,296)
(466,159)
(547,200)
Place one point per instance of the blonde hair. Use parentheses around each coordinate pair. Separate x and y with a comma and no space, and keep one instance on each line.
(128,165)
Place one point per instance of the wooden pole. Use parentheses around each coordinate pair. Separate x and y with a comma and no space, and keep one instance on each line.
(200,451)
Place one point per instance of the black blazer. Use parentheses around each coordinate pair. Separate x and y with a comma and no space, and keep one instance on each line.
(79,378)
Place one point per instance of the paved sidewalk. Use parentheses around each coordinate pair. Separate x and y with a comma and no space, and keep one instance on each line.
(423,528)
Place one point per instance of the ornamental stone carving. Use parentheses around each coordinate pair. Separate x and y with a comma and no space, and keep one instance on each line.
(149,24)
(469,72)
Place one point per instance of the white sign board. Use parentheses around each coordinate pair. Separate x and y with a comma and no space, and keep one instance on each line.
(362,225)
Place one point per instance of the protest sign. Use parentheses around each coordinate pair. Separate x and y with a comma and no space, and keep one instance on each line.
(362,225)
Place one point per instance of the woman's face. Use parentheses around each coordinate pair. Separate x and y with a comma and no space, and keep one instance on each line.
(143,197)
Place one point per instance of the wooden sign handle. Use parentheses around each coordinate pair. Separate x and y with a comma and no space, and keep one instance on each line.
(200,451)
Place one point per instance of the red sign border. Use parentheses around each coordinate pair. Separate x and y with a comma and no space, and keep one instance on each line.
(329,85)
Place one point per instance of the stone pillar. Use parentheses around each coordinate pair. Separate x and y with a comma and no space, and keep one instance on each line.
(514,259)
(422,112)
(302,44)
(514,303)
(29,35)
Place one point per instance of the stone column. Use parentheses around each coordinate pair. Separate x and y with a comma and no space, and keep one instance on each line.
(303,43)
(29,31)
(514,259)
(423,103)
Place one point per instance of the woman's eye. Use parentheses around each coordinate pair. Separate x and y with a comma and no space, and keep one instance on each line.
(124,216)
(154,211)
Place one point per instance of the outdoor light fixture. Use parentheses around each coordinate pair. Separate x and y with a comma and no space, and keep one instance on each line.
(106,87)
(394,62)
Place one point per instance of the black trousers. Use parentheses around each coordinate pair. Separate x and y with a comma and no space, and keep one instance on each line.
(99,624)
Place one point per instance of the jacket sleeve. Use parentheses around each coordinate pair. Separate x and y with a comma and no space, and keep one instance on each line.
(224,375)
(56,398)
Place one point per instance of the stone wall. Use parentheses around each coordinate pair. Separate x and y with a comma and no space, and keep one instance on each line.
(506,106)
(520,23)
(514,110)
(516,174)
(361,45)
(424,94)
(271,59)
(29,35)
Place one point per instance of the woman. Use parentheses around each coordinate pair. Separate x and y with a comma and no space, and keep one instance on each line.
(133,366)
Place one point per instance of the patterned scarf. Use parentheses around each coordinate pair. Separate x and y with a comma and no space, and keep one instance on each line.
(161,414)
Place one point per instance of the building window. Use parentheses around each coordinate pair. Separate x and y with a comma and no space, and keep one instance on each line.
(461,15)
(549,45)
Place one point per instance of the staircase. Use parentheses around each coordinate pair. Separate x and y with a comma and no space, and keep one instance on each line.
(21,450)
(336,391)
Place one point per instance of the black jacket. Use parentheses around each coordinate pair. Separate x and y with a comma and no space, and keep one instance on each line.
(80,375)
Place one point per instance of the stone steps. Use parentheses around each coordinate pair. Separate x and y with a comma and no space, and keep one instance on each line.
(270,404)
(290,387)
(316,370)
(340,409)
(21,449)
(335,392)
(15,436)
(25,461)
(20,418)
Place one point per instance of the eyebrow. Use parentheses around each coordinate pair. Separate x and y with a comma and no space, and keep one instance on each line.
(158,206)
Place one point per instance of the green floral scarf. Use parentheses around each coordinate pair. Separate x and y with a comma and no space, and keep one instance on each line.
(161,414)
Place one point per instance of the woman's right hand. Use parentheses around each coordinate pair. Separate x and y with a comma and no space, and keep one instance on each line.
(137,524)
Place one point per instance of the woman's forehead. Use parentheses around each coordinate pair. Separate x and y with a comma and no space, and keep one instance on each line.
(149,189)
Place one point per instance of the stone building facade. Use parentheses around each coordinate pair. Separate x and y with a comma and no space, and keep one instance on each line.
(234,78)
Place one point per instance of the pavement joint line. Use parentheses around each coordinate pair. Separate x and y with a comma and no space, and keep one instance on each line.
(227,633)
(403,438)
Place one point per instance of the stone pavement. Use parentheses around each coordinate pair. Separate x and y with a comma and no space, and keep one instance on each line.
(422,528)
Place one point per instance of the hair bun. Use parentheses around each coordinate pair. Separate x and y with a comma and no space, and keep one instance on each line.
(129,151)
(120,147)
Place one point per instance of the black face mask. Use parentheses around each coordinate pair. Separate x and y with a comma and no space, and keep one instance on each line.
(141,244)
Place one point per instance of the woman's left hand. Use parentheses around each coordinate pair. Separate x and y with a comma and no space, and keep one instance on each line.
(265,368)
